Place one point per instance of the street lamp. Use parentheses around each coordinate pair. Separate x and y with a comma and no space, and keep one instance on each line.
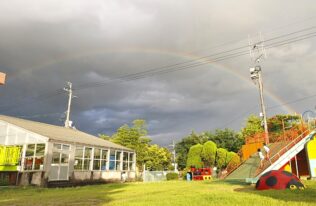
(255,74)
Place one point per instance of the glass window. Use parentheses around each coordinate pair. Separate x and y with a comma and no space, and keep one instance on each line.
(87,153)
(125,160)
(97,153)
(100,158)
(78,158)
(125,156)
(125,165)
(96,164)
(30,150)
(112,165)
(83,158)
(79,152)
(112,160)
(118,165)
(118,156)
(86,164)
(78,164)
(34,157)
(104,154)
(66,147)
(39,163)
(40,149)
(131,155)
(56,158)
(131,161)
(60,154)
(28,163)
(64,158)
(130,165)
(103,164)
(57,146)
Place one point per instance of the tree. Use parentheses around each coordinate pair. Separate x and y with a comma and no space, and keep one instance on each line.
(234,162)
(208,153)
(182,148)
(229,156)
(221,154)
(134,138)
(253,126)
(227,139)
(158,158)
(194,156)
(275,123)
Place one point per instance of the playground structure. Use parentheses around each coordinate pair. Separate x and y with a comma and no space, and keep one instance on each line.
(201,173)
(279,180)
(293,151)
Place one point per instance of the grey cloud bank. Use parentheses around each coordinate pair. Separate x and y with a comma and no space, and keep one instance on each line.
(43,44)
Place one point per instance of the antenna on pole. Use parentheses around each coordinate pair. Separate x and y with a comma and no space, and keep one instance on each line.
(68,89)
(257,50)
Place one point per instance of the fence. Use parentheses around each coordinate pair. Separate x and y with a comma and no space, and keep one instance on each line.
(155,176)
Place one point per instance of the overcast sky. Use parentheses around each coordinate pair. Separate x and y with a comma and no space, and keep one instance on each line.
(43,44)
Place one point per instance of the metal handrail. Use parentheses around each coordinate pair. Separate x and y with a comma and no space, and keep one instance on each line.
(286,149)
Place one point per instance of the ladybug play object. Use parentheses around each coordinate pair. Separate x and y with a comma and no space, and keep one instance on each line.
(279,180)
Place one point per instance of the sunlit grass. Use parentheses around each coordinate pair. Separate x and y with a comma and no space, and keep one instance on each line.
(160,193)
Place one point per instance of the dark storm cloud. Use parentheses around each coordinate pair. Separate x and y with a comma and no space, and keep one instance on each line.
(45,44)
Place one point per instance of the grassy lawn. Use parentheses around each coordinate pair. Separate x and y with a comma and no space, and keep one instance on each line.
(162,193)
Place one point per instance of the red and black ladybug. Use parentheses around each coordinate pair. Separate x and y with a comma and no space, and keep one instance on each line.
(279,180)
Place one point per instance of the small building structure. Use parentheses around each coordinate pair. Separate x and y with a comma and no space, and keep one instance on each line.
(42,154)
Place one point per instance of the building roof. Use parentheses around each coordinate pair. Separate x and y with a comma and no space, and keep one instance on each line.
(60,133)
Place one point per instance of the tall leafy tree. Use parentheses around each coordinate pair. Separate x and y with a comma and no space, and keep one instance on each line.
(221,155)
(227,139)
(194,156)
(182,148)
(158,158)
(208,153)
(134,137)
(253,126)
(230,156)
(275,123)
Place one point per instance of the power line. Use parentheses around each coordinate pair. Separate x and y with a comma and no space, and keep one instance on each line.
(178,67)
(293,101)
(204,59)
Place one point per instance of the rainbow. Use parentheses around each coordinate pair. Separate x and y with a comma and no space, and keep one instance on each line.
(187,56)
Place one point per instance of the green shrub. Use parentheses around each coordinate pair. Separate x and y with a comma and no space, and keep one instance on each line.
(208,153)
(234,162)
(221,157)
(172,176)
(229,156)
(194,156)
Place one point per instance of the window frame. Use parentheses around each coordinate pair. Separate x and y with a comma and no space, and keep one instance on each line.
(101,159)
(83,159)
(34,157)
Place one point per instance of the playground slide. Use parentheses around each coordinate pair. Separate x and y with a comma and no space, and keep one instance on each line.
(250,167)
(290,151)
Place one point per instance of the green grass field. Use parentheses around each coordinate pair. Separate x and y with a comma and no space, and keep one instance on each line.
(161,193)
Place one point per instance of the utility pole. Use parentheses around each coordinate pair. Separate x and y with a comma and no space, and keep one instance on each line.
(174,156)
(257,52)
(69,90)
